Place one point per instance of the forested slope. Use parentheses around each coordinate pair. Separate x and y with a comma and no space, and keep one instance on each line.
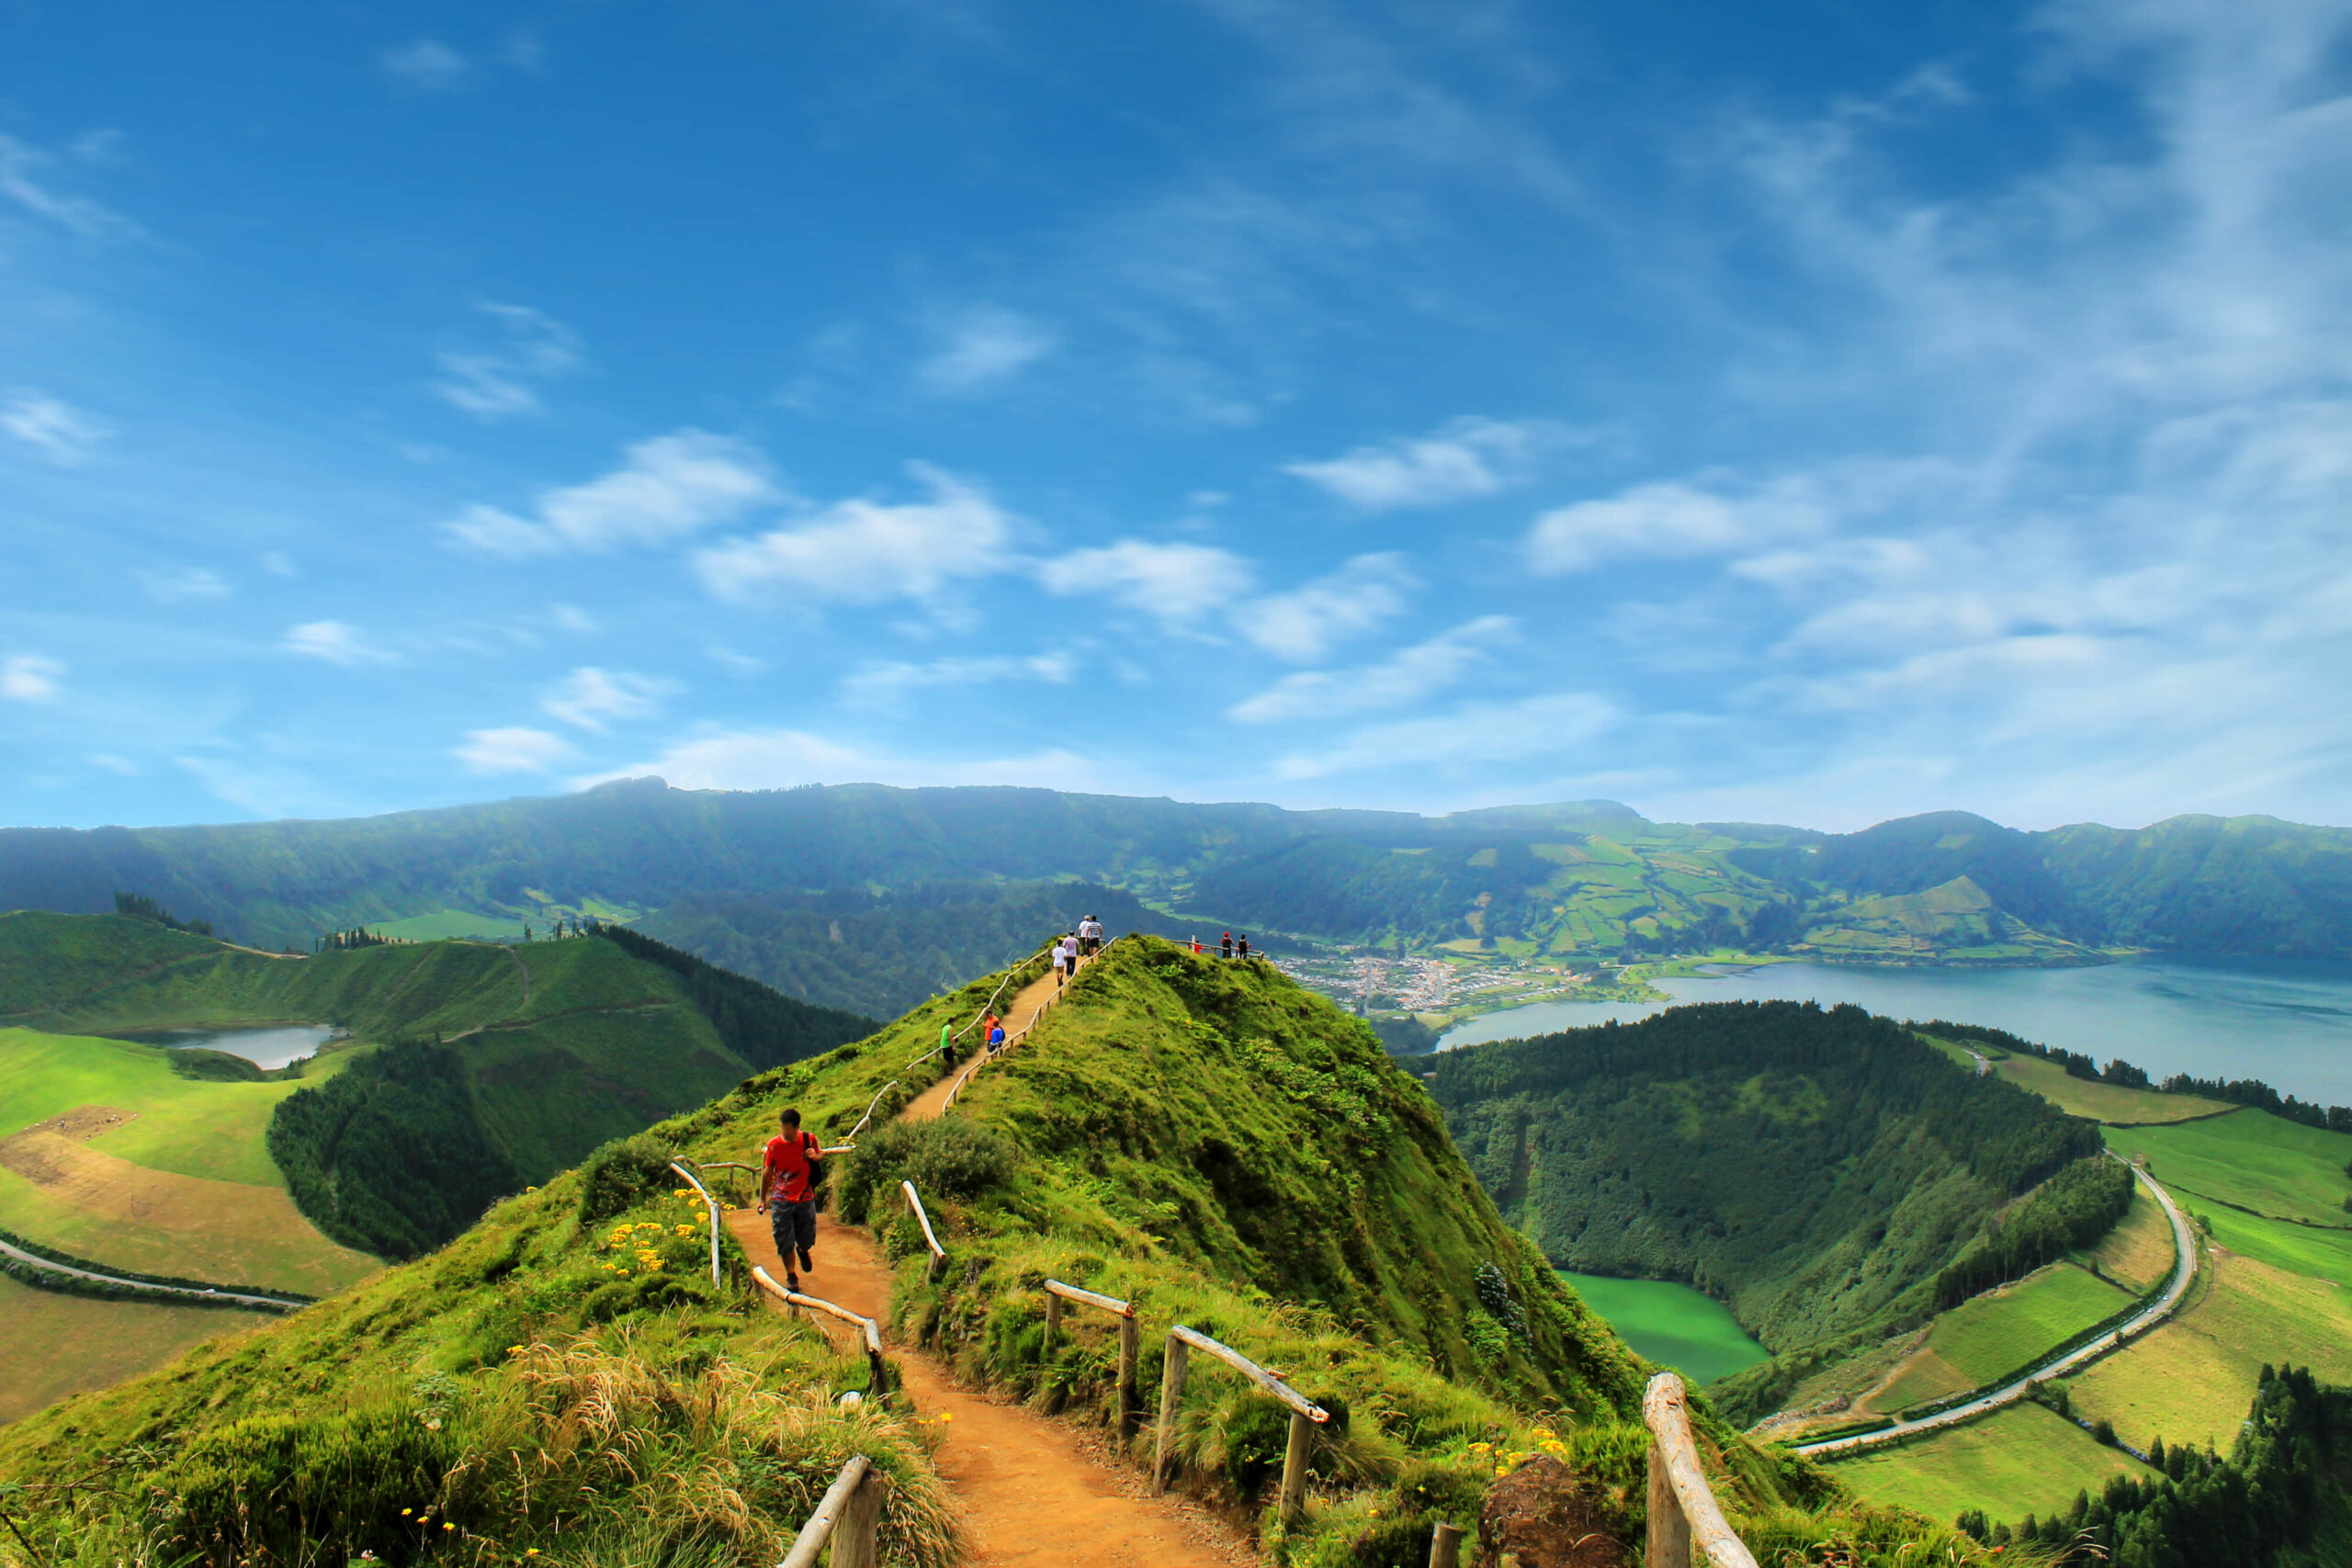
(1816,1170)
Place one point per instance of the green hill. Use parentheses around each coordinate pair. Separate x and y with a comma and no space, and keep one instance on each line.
(473,1070)
(1818,1171)
(561,1384)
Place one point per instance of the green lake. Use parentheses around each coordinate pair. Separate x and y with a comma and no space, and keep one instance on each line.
(1673,1325)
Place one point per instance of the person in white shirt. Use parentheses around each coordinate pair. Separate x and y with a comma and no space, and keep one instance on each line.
(1065,959)
(1090,936)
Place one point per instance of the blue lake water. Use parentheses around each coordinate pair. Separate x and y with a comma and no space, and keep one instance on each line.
(271,1045)
(2290,1025)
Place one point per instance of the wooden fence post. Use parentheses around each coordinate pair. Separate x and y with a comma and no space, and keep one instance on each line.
(1052,1321)
(1294,1458)
(1130,1399)
(1445,1547)
(855,1538)
(1670,1532)
(1171,1394)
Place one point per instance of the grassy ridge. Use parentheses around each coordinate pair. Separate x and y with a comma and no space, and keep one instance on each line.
(1999,1333)
(2021,1460)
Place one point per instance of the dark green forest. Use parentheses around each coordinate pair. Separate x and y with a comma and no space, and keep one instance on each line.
(1815,1170)
(2071,1210)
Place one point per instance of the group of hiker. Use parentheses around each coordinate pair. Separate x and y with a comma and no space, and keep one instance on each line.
(1229,947)
(1072,946)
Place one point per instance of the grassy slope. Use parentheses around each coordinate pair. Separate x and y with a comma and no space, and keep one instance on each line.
(2000,1332)
(1110,1076)
(2020,1461)
(2138,1253)
(2251,1158)
(2101,1102)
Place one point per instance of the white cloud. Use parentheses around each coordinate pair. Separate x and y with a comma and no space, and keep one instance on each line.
(90,219)
(114,764)
(1305,623)
(861,552)
(1178,582)
(984,346)
(1475,733)
(511,750)
(29,678)
(183,583)
(1462,460)
(337,642)
(278,563)
(887,686)
(502,382)
(428,65)
(1674,520)
(777,759)
(573,618)
(669,486)
(60,432)
(589,697)
(1403,678)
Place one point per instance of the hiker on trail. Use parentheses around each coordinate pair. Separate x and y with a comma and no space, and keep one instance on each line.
(1196,946)
(947,1043)
(996,1038)
(789,1176)
(1062,960)
(1225,948)
(1090,936)
(1242,947)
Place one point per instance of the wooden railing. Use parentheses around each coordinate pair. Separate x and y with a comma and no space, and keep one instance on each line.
(850,1517)
(1130,1402)
(868,1330)
(1304,1413)
(710,1203)
(955,1090)
(938,1263)
(1681,1505)
(987,1007)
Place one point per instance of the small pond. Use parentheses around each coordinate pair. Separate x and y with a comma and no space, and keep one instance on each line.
(1674,1325)
(266,1046)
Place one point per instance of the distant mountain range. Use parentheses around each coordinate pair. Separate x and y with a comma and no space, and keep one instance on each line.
(870,897)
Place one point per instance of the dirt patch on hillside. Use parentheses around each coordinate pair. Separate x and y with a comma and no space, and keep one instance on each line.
(81,1123)
(113,1189)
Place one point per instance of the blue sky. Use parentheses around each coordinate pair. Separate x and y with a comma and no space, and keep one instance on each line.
(1791,412)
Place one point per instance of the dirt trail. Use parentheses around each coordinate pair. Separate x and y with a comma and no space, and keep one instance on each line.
(1031,1000)
(1032,1490)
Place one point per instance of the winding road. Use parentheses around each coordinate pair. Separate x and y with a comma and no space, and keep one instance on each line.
(21,1256)
(2184,1270)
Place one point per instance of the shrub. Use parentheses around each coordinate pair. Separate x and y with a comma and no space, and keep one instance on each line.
(623,1174)
(950,1157)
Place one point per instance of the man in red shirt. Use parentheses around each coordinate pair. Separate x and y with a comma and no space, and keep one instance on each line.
(789,1178)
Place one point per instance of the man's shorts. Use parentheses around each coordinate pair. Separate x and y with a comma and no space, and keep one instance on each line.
(795,1226)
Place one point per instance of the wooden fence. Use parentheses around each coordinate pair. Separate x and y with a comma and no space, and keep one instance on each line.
(938,1264)
(1130,1400)
(710,1203)
(1681,1505)
(869,1330)
(850,1519)
(1304,1413)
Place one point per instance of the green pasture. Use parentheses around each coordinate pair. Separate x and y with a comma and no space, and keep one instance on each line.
(187,1125)
(2298,1249)
(444,924)
(2099,1101)
(57,1345)
(1672,1325)
(2002,1332)
(2249,1157)
(2139,1252)
(2192,1378)
(2020,1459)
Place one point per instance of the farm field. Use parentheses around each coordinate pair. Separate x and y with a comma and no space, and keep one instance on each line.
(2018,1461)
(1671,1323)
(2248,1158)
(57,1345)
(1999,1333)
(2101,1102)
(2192,1379)
(2138,1253)
(444,923)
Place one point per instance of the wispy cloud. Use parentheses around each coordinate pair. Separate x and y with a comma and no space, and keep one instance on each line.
(863,552)
(427,66)
(1175,581)
(1464,459)
(22,179)
(183,583)
(503,382)
(511,751)
(58,430)
(1403,678)
(776,759)
(886,685)
(336,642)
(1471,734)
(29,678)
(590,698)
(1307,622)
(983,346)
(667,488)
